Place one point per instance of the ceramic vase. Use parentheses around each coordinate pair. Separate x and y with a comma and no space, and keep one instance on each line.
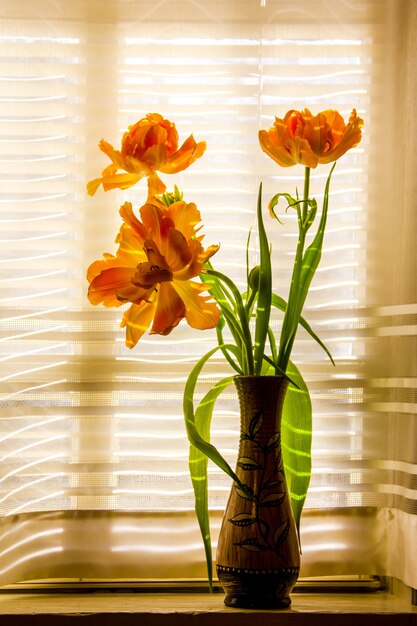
(258,555)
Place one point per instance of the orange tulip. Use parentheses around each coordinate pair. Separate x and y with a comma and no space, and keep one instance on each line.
(307,139)
(148,146)
(156,258)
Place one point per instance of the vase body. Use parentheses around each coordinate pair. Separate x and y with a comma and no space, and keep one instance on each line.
(258,556)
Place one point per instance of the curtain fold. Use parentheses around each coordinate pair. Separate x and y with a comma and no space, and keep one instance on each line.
(392,240)
(92,435)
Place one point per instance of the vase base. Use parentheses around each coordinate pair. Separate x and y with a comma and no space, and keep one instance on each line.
(243,602)
(246,589)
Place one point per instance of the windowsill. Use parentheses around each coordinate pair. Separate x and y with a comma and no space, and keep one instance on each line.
(181,609)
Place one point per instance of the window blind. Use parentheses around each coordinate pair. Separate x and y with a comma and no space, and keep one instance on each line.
(93,450)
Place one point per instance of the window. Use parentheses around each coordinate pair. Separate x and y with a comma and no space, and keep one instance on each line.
(93,451)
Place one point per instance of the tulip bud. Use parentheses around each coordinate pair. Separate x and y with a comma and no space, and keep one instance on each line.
(253,280)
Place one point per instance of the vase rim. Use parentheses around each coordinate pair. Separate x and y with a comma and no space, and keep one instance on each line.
(260,376)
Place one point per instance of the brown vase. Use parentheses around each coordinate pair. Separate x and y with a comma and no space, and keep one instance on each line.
(258,555)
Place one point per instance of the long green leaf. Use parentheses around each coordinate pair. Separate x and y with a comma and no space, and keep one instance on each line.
(217,290)
(312,255)
(227,307)
(188,409)
(198,462)
(234,326)
(242,316)
(290,323)
(226,354)
(197,424)
(247,255)
(296,435)
(281,304)
(310,261)
(263,304)
(272,345)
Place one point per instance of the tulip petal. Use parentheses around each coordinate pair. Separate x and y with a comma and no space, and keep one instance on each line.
(136,166)
(208,253)
(278,152)
(98,266)
(199,256)
(189,152)
(154,136)
(200,313)
(151,216)
(195,264)
(136,320)
(318,134)
(176,250)
(93,185)
(128,216)
(130,251)
(114,155)
(155,156)
(336,124)
(155,258)
(133,293)
(114,181)
(103,288)
(185,217)
(170,310)
(350,139)
(290,134)
(304,154)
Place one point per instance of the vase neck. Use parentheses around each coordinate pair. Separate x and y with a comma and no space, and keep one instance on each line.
(261,399)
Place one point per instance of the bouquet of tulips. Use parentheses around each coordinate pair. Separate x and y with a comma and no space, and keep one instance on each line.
(164,274)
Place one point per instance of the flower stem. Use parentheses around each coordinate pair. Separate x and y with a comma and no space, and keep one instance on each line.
(293,310)
(306,192)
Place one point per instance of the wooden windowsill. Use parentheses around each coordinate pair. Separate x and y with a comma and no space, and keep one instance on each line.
(199,609)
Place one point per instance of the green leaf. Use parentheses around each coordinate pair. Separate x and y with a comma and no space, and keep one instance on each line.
(263,304)
(312,255)
(247,256)
(226,354)
(198,431)
(281,304)
(274,201)
(296,434)
(239,320)
(227,307)
(304,269)
(311,214)
(275,370)
(198,462)
(217,290)
(273,345)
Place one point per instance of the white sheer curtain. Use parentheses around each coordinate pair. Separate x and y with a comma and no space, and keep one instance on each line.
(93,452)
(392,372)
